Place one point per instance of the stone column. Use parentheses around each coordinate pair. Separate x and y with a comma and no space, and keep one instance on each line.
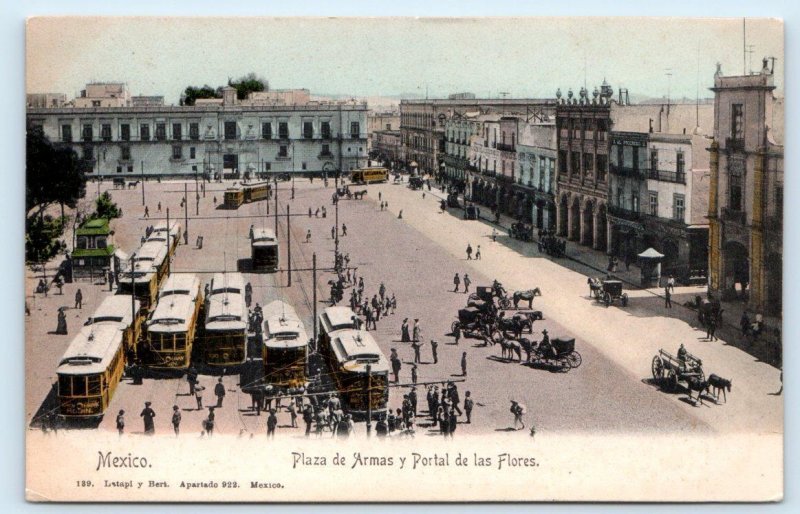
(757,278)
(609,237)
(560,218)
(715,259)
(570,231)
(598,231)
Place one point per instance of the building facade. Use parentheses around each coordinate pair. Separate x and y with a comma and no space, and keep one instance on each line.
(459,133)
(226,138)
(536,180)
(746,198)
(386,146)
(379,122)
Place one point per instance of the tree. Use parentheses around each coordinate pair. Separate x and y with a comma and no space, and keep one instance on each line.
(247,84)
(191,93)
(105,208)
(41,238)
(54,174)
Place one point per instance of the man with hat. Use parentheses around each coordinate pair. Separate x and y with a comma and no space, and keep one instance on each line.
(147,415)
(545,348)
(121,421)
(219,392)
(272,422)
(416,330)
(396,365)
(176,419)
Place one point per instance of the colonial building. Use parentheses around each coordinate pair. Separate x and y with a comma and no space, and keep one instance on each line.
(459,132)
(380,121)
(494,156)
(386,146)
(746,200)
(536,180)
(226,137)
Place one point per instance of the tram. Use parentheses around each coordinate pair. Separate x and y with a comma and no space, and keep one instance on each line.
(171,328)
(225,334)
(369,175)
(264,250)
(348,352)
(159,234)
(256,191)
(233,197)
(285,350)
(150,267)
(93,364)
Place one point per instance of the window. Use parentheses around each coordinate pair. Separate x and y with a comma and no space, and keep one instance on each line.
(177,131)
(653,207)
(66,133)
(588,165)
(88,154)
(100,242)
(192,152)
(82,243)
(620,201)
(779,201)
(576,162)
(635,151)
(125,153)
(144,132)
(562,162)
(194,131)
(326,149)
(267,166)
(602,166)
(308,130)
(388,126)
(634,202)
(130,169)
(161,131)
(95,103)
(678,207)
(266,130)
(737,121)
(283,130)
(177,152)
(325,129)
(282,151)
(355,129)
(105,132)
(735,193)
(542,171)
(88,134)
(230,130)
(680,164)
(304,166)
(125,132)
(654,160)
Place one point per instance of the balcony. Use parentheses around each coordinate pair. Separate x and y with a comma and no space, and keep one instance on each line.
(506,148)
(625,171)
(735,216)
(734,144)
(623,213)
(325,155)
(667,176)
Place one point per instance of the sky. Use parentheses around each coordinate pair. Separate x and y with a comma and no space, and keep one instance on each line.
(524,57)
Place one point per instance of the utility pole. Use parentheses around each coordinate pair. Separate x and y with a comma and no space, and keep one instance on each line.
(314,289)
(368,392)
(336,239)
(142,171)
(133,310)
(185,213)
(169,264)
(288,245)
(276,206)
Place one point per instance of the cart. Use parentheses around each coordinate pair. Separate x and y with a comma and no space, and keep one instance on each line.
(669,371)
(609,290)
(561,354)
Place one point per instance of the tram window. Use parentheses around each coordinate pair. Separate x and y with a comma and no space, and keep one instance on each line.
(79,386)
(180,342)
(65,385)
(94,384)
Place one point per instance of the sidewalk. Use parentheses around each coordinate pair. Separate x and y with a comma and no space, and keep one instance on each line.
(768,348)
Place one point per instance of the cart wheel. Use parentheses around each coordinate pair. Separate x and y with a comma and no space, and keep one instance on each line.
(672,380)
(574,359)
(505,303)
(658,369)
(607,299)
(473,297)
(701,375)
(624,299)
(455,326)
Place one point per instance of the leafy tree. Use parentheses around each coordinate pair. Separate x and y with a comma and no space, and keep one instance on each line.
(105,208)
(191,94)
(247,84)
(54,174)
(41,238)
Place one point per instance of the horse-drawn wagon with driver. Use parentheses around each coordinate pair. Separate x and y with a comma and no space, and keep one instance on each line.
(607,290)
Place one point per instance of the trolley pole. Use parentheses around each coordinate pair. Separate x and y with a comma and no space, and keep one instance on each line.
(276,206)
(196,196)
(289,244)
(168,237)
(368,387)
(185,214)
(142,171)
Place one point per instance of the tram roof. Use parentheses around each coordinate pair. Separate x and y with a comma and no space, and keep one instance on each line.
(160,230)
(181,284)
(354,349)
(264,235)
(337,318)
(172,313)
(231,282)
(91,351)
(226,311)
(283,327)
(115,309)
(150,251)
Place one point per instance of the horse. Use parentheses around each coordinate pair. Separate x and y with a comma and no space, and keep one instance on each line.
(529,295)
(359,195)
(132,185)
(527,345)
(514,325)
(716,383)
(509,348)
(707,310)
(695,384)
(595,285)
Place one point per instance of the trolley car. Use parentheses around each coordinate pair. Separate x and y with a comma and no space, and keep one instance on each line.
(122,309)
(172,324)
(349,354)
(233,197)
(285,349)
(264,250)
(150,267)
(332,319)
(369,175)
(92,366)
(160,231)
(256,191)
(225,336)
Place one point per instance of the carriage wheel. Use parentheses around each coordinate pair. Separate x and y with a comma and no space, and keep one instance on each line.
(564,364)
(658,369)
(574,359)
(701,375)
(607,299)
(672,380)
(473,297)
(505,303)
(624,299)
(454,326)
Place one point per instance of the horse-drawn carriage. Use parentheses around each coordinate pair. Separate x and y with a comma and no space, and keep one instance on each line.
(558,353)
(489,293)
(607,290)
(416,183)
(472,213)
(452,200)
(669,371)
(521,231)
(472,322)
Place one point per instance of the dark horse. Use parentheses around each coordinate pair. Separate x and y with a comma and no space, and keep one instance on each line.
(707,310)
(359,195)
(529,295)
(716,383)
(695,384)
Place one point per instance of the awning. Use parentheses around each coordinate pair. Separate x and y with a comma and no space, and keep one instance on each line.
(650,253)
(413,164)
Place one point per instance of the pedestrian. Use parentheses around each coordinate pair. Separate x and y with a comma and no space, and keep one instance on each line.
(380,195)
(456,282)
(404,337)
(198,395)
(250,234)
(110,282)
(744,323)
(191,378)
(467,282)
(416,345)
(333,232)
(444,421)
(308,236)
(368,316)
(324,212)
(494,234)
(215,200)
(671,283)
(209,423)
(453,422)
(121,422)
(293,414)
(434,347)
(146,212)
(147,415)
(316,213)
(61,326)
(416,330)
(176,420)
(464,364)
(159,206)
(309,212)
(394,303)
(308,418)
(469,252)
(711,329)
(457,333)
(396,365)
(272,422)
(478,253)
(468,406)
(517,410)
(344,230)
(78,299)
(257,400)
(414,374)
(667,298)
(219,392)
